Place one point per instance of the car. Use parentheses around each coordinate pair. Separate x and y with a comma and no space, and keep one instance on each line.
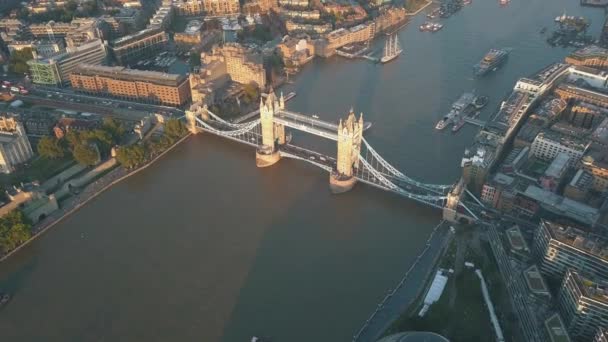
(311,157)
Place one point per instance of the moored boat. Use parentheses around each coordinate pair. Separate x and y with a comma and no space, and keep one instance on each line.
(480,101)
(391,49)
(4,298)
(491,61)
(458,124)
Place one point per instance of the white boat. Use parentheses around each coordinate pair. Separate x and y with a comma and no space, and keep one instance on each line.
(391,49)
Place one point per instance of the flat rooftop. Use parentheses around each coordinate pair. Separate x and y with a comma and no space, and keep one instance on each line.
(125,74)
(556,330)
(590,51)
(535,280)
(594,288)
(587,242)
(562,205)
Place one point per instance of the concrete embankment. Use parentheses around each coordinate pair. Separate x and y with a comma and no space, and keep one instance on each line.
(93,190)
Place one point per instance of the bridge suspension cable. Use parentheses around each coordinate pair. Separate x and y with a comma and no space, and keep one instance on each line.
(432,200)
(227,123)
(232,133)
(393,172)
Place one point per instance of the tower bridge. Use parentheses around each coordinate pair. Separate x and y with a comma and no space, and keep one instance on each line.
(355,160)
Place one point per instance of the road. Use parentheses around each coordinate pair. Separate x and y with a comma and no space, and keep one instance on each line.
(119,107)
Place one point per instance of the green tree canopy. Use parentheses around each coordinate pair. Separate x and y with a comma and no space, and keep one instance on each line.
(14,230)
(175,129)
(17,63)
(50,147)
(131,156)
(115,128)
(85,154)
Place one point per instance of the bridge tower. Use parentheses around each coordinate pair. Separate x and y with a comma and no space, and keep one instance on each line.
(195,110)
(350,133)
(273,134)
(450,210)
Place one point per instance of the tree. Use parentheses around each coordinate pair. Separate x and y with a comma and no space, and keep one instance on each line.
(17,63)
(14,230)
(50,147)
(86,154)
(131,156)
(115,128)
(175,129)
(250,92)
(73,138)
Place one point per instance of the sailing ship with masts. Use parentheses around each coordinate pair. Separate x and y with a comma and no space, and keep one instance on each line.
(391,49)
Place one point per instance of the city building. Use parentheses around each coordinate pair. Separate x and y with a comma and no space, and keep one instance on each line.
(15,148)
(259,6)
(56,69)
(535,281)
(547,145)
(243,65)
(145,86)
(140,45)
(221,7)
(601,335)
(583,303)
(189,8)
(560,247)
(361,33)
(556,329)
(298,27)
(476,167)
(562,206)
(595,162)
(567,92)
(591,56)
(591,77)
(579,188)
(64,125)
(555,173)
(296,51)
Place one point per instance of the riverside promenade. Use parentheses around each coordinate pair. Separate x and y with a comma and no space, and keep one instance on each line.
(91,191)
(398,300)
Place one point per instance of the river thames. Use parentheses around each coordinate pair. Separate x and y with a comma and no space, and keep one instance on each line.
(203,246)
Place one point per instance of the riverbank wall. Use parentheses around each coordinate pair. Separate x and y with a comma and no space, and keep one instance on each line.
(90,192)
(412,284)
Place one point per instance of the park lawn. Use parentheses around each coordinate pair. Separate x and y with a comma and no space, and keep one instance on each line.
(39,169)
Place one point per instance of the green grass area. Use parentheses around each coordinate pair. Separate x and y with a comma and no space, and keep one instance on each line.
(39,169)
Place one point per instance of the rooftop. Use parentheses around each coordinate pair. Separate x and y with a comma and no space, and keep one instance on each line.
(550,73)
(562,205)
(535,280)
(556,330)
(516,240)
(558,165)
(134,75)
(564,140)
(582,180)
(593,288)
(138,35)
(590,51)
(586,242)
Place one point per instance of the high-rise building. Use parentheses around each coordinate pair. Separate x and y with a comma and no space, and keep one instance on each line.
(56,69)
(601,335)
(583,303)
(561,247)
(146,86)
(15,148)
